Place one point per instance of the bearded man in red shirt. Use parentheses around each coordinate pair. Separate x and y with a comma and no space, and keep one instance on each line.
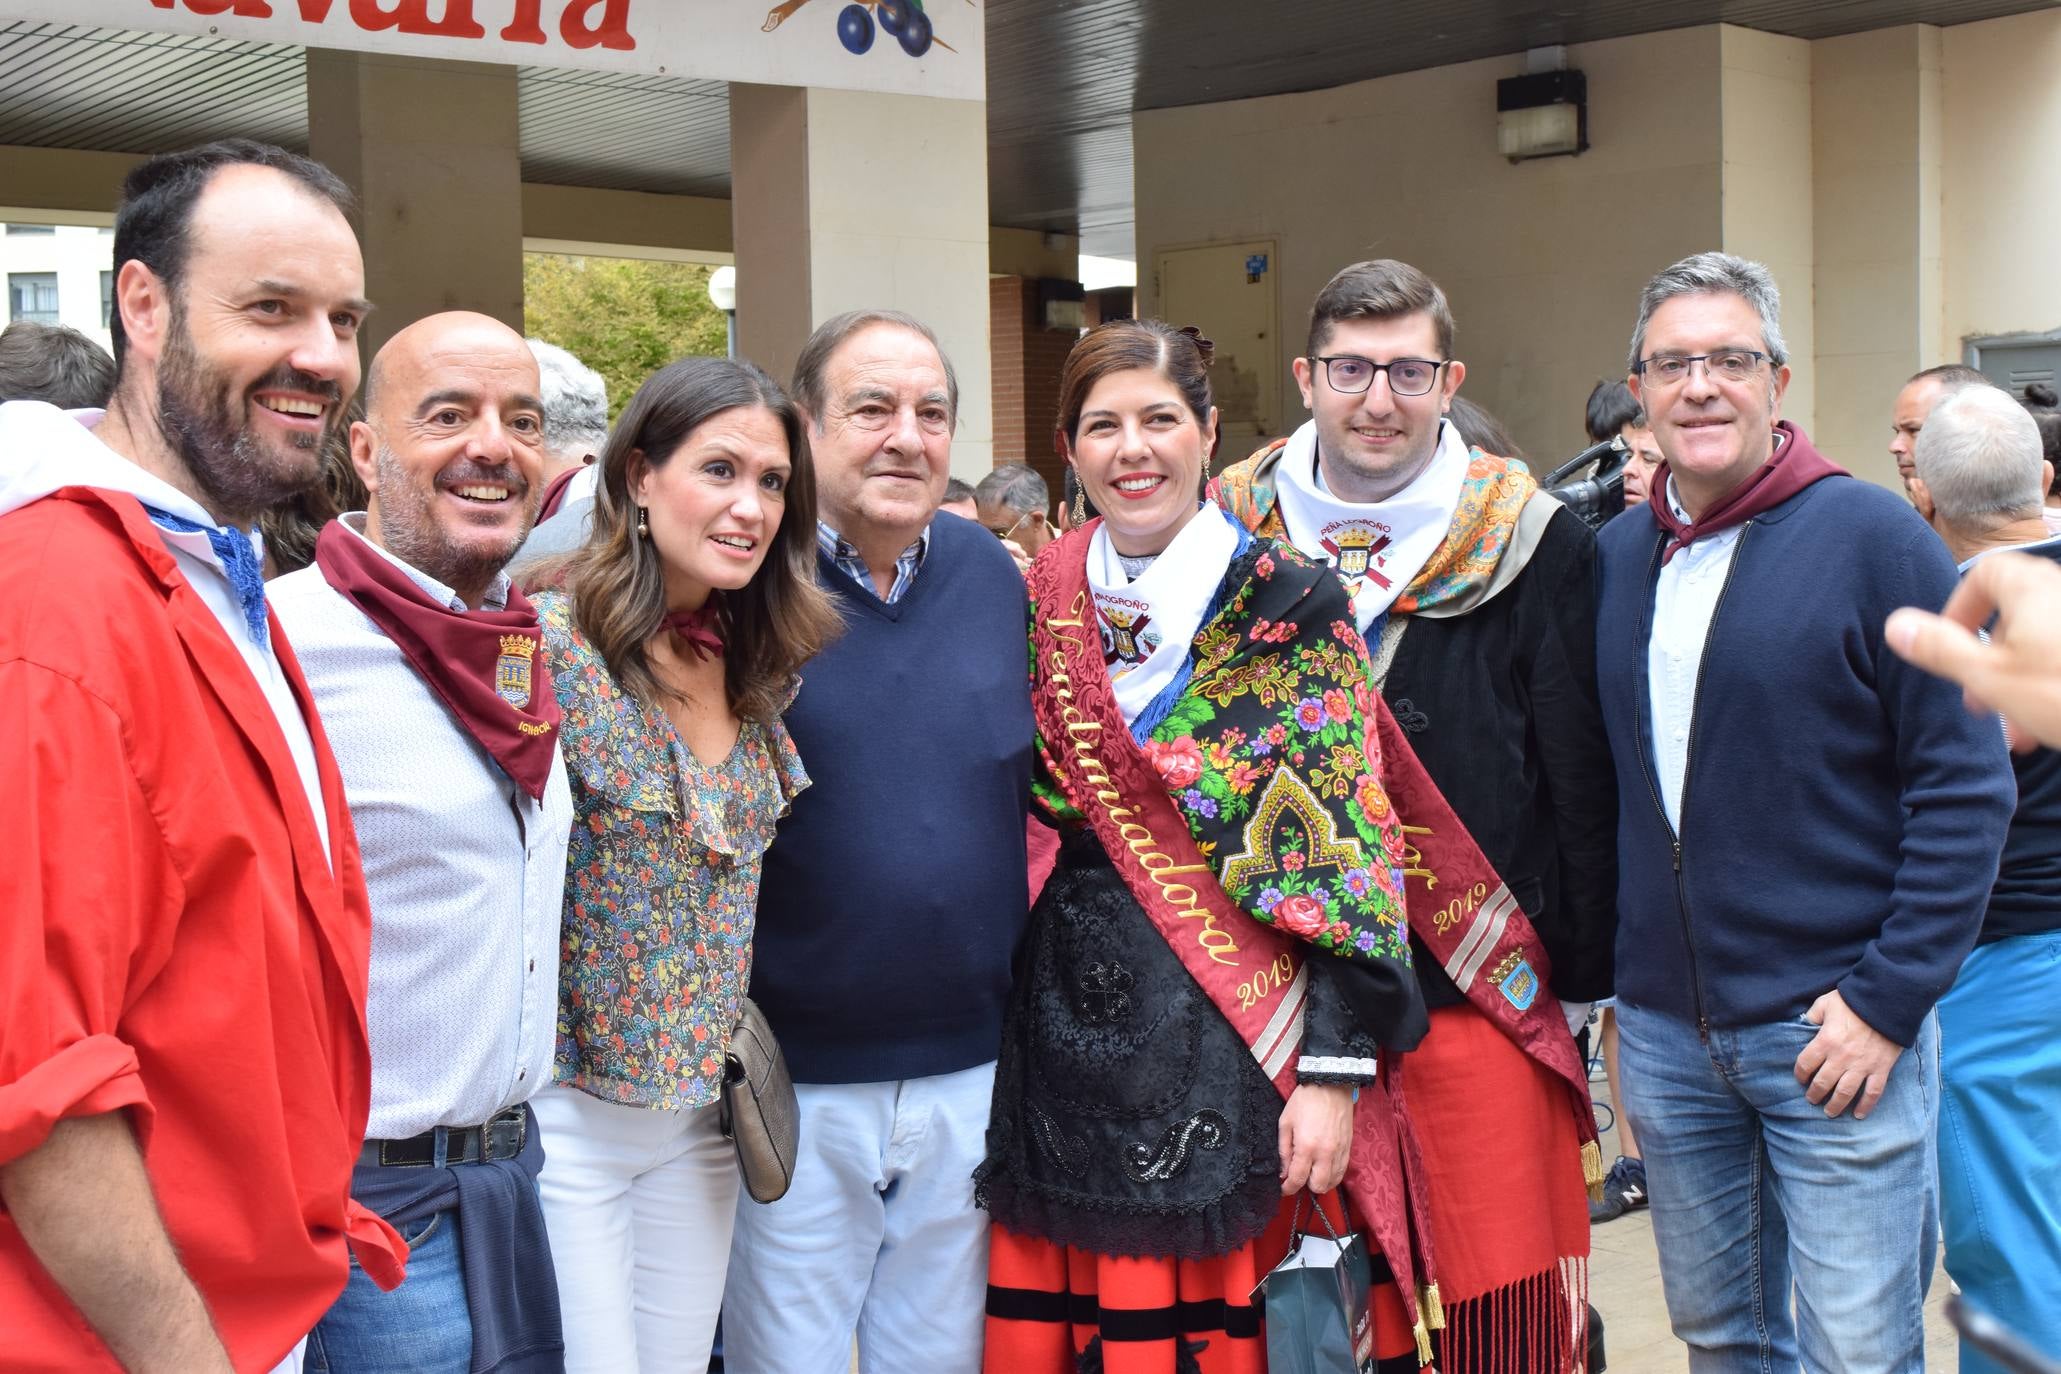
(184,931)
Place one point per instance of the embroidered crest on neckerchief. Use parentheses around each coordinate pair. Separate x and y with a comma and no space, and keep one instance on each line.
(1125,641)
(512,675)
(1356,549)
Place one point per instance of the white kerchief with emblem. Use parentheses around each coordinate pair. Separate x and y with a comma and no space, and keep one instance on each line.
(1377,549)
(1147,623)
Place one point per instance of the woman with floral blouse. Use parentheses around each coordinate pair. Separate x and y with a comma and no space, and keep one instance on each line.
(675,635)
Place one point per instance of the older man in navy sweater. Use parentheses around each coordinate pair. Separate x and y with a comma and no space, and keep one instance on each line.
(1779,959)
(895,893)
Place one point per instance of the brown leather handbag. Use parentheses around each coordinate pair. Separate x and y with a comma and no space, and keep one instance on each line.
(759,1113)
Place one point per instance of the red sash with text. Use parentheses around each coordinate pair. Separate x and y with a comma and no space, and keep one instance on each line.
(1252,973)
(1468,919)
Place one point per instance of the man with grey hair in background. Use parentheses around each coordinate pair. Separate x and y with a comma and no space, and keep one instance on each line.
(1981,481)
(575,425)
(1915,401)
(1013,502)
(1790,913)
(575,429)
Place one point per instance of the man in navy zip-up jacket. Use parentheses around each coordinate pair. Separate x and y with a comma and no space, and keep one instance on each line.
(1808,832)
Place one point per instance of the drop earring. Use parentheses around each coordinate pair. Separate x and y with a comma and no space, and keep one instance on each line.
(643,523)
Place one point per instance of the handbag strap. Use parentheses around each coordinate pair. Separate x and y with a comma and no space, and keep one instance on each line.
(1295,1228)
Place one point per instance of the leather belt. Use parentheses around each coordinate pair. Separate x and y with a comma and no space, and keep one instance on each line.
(501,1137)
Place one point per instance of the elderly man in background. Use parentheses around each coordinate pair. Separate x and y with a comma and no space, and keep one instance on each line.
(427,667)
(575,426)
(1791,913)
(1915,401)
(1981,481)
(54,363)
(1013,501)
(575,429)
(886,978)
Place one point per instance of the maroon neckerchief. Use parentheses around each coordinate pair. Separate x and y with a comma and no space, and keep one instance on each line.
(697,629)
(1795,466)
(554,493)
(486,666)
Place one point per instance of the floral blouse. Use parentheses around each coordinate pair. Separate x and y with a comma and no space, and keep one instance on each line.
(661,884)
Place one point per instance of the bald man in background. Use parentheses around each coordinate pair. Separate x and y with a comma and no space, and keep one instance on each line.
(427,668)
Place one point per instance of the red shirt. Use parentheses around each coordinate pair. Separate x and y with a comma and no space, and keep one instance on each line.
(173,940)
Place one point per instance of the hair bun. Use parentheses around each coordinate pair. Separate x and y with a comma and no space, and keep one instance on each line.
(1205,347)
(2040,394)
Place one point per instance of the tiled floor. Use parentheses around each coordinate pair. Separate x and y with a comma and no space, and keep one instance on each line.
(1624,1284)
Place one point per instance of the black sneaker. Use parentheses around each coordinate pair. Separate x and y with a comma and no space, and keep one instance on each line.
(1624,1190)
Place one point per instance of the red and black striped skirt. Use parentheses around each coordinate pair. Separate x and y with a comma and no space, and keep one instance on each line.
(1053,1309)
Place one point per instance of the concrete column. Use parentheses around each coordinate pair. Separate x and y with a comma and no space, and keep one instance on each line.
(842,200)
(1876,118)
(433,150)
(1764,105)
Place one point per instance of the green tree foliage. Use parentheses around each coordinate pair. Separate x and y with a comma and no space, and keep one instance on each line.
(623,317)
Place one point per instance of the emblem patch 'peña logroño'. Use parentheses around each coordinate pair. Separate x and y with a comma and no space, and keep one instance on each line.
(581,23)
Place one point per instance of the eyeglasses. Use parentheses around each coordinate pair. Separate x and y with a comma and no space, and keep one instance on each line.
(1010,533)
(1732,365)
(1406,376)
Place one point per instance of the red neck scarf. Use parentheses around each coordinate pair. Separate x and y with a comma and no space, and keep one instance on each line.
(486,666)
(1795,466)
(697,629)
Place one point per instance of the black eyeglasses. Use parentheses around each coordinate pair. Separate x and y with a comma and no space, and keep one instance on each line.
(1732,365)
(1406,376)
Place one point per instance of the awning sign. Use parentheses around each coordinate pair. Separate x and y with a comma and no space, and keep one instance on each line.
(911,47)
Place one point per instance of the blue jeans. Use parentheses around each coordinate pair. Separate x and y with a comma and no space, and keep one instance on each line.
(2000,1137)
(422,1327)
(1754,1189)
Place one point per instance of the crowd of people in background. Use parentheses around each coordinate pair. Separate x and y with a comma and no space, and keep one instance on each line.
(417,785)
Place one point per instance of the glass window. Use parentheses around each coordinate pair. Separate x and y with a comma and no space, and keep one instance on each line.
(31,229)
(32,296)
(106,300)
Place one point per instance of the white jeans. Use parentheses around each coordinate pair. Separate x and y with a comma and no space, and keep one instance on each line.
(639,1204)
(878,1238)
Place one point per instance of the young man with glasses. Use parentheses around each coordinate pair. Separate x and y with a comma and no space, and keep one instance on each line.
(1782,954)
(1476,593)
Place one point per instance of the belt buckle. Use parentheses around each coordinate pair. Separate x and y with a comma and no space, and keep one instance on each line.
(514,1116)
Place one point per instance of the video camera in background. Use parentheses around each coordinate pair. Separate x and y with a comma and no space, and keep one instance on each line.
(1600,495)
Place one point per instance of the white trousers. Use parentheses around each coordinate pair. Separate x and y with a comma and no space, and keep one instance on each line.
(639,1204)
(878,1238)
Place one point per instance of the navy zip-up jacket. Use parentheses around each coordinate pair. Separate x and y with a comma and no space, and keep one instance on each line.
(1842,814)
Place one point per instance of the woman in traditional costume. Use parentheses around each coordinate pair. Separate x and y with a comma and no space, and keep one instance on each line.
(1217,978)
(674,643)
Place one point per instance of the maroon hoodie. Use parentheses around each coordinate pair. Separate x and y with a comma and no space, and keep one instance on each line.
(1795,466)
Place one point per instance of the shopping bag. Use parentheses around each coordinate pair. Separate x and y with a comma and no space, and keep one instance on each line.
(1316,1303)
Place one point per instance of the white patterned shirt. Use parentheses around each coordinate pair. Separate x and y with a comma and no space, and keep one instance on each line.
(465,871)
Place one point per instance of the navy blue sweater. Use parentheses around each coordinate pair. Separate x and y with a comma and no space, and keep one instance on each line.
(894,894)
(1842,812)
